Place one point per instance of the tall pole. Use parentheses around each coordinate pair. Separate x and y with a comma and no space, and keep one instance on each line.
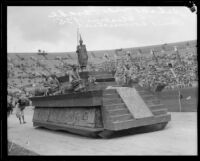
(179,60)
(77,35)
(179,93)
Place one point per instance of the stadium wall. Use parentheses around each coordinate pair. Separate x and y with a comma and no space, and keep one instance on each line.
(189,100)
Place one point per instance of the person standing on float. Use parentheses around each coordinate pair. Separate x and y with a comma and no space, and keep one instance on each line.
(82,55)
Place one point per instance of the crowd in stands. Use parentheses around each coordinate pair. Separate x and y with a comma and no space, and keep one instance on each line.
(154,70)
(149,70)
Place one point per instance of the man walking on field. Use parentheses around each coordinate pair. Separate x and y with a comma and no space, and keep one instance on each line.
(20,106)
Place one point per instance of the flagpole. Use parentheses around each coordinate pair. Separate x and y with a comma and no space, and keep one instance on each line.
(180,108)
(179,93)
(179,59)
(77,35)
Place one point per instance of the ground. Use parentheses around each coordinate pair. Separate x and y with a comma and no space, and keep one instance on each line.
(178,138)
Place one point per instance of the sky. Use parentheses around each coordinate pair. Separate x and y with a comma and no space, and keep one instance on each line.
(54,29)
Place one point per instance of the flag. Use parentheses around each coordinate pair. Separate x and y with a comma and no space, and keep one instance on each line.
(128,56)
(178,55)
(140,51)
(188,98)
(106,56)
(179,58)
(154,57)
(115,56)
(173,72)
(93,56)
(181,96)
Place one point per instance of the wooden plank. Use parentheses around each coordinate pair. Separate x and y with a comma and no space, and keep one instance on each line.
(107,101)
(152,101)
(119,111)
(147,96)
(156,106)
(107,124)
(134,102)
(159,111)
(114,96)
(109,91)
(115,106)
(124,117)
(143,93)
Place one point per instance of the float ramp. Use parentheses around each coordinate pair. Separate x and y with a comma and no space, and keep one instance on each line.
(125,108)
(134,102)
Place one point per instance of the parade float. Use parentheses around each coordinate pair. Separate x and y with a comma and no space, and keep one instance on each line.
(102,109)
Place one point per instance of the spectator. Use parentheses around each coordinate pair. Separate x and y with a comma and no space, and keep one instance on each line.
(20,106)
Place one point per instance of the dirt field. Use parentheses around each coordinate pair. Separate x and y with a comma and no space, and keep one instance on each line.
(178,138)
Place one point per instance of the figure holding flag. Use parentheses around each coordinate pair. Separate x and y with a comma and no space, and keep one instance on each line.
(82,54)
(178,55)
(154,57)
(106,57)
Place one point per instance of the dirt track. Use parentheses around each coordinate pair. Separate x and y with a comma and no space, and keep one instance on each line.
(178,138)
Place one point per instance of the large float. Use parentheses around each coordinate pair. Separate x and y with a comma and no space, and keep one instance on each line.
(103,109)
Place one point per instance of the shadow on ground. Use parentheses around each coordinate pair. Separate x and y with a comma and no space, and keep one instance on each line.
(109,134)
